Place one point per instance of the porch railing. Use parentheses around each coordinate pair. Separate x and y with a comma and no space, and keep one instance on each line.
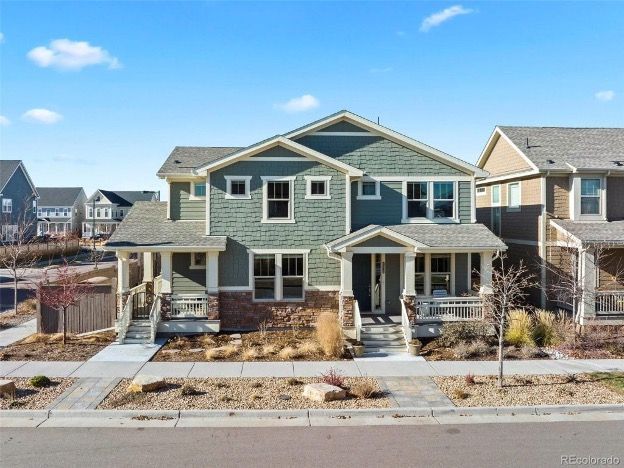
(450,308)
(609,302)
(189,306)
(155,313)
(405,323)
(357,320)
(123,322)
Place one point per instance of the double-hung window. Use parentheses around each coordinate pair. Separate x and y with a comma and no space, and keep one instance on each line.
(441,273)
(279,276)
(278,200)
(34,206)
(292,276)
(264,277)
(443,199)
(7,205)
(417,199)
(237,187)
(590,196)
(513,196)
(419,276)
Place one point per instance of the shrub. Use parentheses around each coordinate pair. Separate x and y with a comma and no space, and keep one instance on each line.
(207,340)
(468,350)
(363,389)
(519,329)
(460,394)
(39,381)
(333,377)
(293,381)
(188,390)
(454,333)
(329,334)
(544,331)
(469,379)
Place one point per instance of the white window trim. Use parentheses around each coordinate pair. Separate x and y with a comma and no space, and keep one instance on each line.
(7,205)
(480,191)
(192,195)
(500,195)
(309,180)
(377,195)
(430,203)
(228,188)
(265,201)
(575,201)
(197,266)
(511,208)
(278,284)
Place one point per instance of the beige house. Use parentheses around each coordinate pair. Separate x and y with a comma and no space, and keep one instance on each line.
(556,198)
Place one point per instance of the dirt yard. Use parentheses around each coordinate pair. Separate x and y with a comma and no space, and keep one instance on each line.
(29,397)
(40,347)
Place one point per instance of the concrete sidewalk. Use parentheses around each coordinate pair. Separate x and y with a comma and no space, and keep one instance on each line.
(19,332)
(376,368)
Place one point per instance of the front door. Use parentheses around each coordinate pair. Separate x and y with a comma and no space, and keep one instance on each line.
(378,283)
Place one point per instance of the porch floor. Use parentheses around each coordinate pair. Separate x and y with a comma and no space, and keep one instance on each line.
(380,319)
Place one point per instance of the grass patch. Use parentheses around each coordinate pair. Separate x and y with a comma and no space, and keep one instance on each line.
(612,380)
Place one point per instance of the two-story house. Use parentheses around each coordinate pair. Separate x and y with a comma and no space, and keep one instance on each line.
(105,209)
(340,215)
(61,210)
(18,202)
(556,197)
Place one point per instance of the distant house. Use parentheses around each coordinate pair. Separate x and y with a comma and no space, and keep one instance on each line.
(18,201)
(61,210)
(105,209)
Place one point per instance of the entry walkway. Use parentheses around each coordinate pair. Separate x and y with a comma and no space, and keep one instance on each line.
(376,368)
(18,332)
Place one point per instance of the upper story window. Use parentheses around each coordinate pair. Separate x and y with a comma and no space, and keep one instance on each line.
(40,212)
(435,201)
(513,196)
(34,206)
(481,191)
(417,199)
(238,187)
(590,196)
(443,199)
(317,187)
(65,211)
(97,213)
(121,213)
(496,195)
(278,200)
(7,205)
(106,212)
(57,212)
(90,212)
(368,189)
(198,191)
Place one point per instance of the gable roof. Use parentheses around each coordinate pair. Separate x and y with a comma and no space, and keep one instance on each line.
(58,196)
(563,148)
(610,233)
(184,159)
(8,167)
(125,197)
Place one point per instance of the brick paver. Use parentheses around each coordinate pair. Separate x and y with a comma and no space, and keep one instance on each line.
(421,392)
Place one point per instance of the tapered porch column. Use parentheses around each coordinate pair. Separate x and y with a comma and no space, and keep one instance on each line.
(346,289)
(587,280)
(486,273)
(212,284)
(409,291)
(123,272)
(148,267)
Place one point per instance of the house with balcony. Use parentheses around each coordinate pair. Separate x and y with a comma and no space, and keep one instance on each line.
(61,210)
(555,196)
(18,202)
(105,209)
(341,215)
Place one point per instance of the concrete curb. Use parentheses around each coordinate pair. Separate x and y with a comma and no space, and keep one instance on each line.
(372,412)
(108,414)
(268,414)
(32,414)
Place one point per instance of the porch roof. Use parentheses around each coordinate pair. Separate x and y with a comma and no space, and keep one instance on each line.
(610,232)
(146,228)
(54,220)
(423,237)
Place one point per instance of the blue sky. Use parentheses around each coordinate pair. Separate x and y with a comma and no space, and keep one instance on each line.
(156,75)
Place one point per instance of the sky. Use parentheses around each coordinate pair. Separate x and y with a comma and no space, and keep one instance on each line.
(97,94)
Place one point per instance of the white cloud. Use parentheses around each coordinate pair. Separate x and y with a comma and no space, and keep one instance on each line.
(299,104)
(64,54)
(4,121)
(43,116)
(380,70)
(605,96)
(1,38)
(436,19)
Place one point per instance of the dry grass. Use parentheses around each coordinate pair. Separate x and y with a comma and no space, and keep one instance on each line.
(269,349)
(44,347)
(309,347)
(288,353)
(329,334)
(363,389)
(27,307)
(250,354)
(520,328)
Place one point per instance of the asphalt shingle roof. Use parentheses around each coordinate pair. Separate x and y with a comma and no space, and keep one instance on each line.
(610,232)
(146,225)
(58,196)
(126,197)
(7,168)
(551,148)
(183,159)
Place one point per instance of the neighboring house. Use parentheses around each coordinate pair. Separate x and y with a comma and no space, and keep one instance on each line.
(558,191)
(61,210)
(105,209)
(18,202)
(340,215)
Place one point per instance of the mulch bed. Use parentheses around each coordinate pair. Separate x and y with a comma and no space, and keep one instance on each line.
(432,352)
(40,347)
(237,393)
(519,390)
(292,345)
(29,397)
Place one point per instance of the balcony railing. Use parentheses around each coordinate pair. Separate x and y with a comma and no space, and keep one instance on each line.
(609,302)
(449,308)
(189,306)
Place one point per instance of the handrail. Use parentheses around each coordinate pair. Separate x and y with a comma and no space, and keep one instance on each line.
(124,320)
(155,315)
(405,323)
(357,320)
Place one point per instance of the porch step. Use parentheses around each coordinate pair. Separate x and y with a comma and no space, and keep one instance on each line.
(382,329)
(382,339)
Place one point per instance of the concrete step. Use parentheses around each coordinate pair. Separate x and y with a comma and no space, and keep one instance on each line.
(384,350)
(130,340)
(381,329)
(139,328)
(140,323)
(380,343)
(383,336)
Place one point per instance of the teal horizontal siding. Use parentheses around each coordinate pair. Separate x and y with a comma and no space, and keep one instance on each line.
(184,279)
(181,207)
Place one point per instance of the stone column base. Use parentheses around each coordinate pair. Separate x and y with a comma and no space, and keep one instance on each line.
(347,304)
(165,306)
(213,306)
(410,308)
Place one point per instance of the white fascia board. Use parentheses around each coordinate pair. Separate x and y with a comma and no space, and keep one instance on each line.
(286,143)
(377,231)
(490,145)
(167,248)
(390,135)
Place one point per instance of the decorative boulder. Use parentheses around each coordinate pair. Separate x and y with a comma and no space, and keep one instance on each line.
(7,388)
(324,392)
(146,383)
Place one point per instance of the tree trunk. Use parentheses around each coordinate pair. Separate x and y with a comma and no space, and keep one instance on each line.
(15,293)
(63,326)
(501,334)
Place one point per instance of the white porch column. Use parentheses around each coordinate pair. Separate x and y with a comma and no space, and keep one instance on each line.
(486,273)
(212,272)
(166,272)
(123,271)
(587,280)
(409,271)
(427,274)
(346,273)
(148,267)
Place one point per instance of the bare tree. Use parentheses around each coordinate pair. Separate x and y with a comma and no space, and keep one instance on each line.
(19,252)
(510,286)
(65,291)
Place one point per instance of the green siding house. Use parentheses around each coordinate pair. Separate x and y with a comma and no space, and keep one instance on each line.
(340,215)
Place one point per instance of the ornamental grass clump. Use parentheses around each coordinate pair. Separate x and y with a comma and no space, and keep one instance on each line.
(329,334)
(544,331)
(520,329)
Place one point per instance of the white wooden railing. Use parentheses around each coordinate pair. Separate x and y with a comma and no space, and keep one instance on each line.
(155,310)
(609,302)
(405,323)
(189,305)
(357,320)
(123,322)
(450,308)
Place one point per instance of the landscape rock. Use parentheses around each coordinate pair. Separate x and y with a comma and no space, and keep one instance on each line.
(324,392)
(235,336)
(146,383)
(7,388)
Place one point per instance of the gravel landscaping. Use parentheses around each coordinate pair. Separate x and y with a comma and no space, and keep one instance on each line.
(237,393)
(26,310)
(292,345)
(40,347)
(29,397)
(529,390)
